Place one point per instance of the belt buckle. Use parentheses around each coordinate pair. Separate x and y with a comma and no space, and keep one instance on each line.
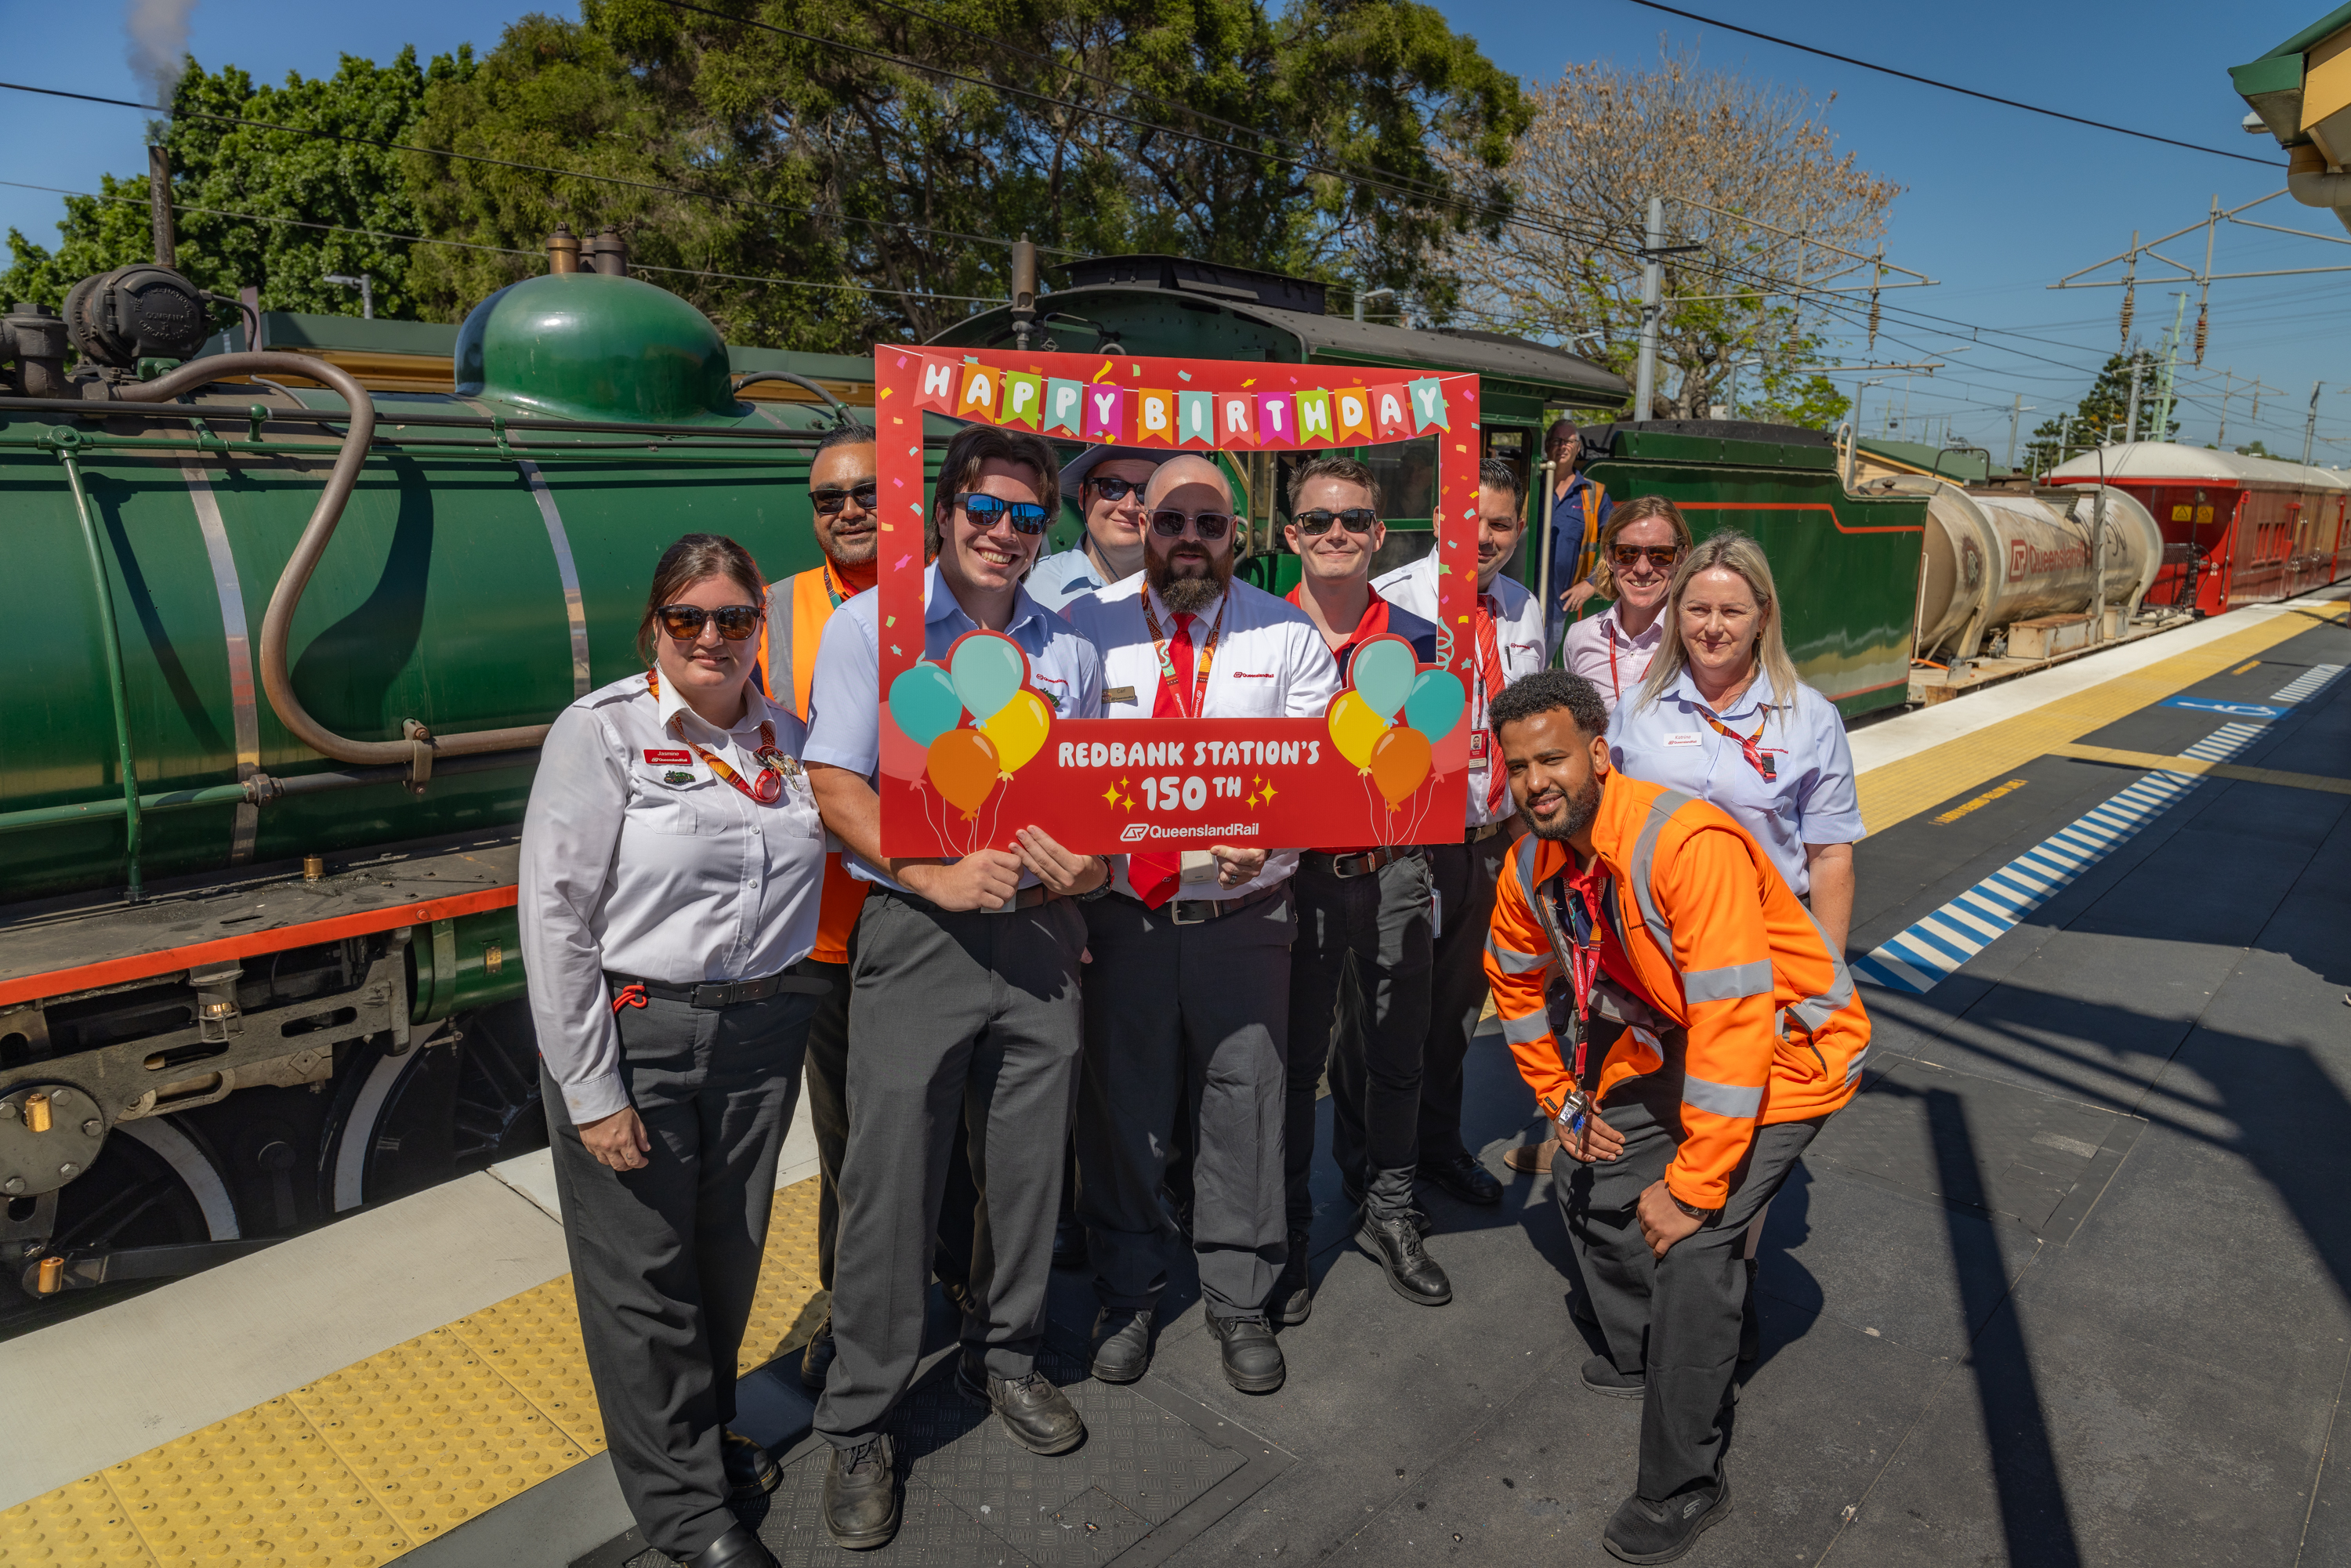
(1365,863)
(1208,906)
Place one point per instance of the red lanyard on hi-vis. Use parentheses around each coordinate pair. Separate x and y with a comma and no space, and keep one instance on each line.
(1200,661)
(768,788)
(1756,757)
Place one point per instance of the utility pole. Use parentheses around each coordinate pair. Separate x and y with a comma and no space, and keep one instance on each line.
(2228,378)
(1653,288)
(2015,418)
(2310,425)
(2130,424)
(2170,363)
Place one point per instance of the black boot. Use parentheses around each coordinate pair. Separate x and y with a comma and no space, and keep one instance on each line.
(739,1548)
(1121,1345)
(1038,1415)
(1421,1222)
(1252,1360)
(1070,1243)
(1646,1532)
(1750,1321)
(860,1496)
(751,1470)
(1463,1177)
(1395,1245)
(1293,1293)
(816,1361)
(1601,1376)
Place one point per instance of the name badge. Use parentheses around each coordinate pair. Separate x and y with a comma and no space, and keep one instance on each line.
(1681,740)
(1477,747)
(658,756)
(1118,693)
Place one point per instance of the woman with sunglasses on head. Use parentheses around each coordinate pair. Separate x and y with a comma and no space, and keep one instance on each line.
(1108,483)
(1639,545)
(672,861)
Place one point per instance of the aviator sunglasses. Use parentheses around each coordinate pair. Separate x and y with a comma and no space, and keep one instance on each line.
(1354,519)
(1169,523)
(685,622)
(1026,516)
(1662,556)
(866,493)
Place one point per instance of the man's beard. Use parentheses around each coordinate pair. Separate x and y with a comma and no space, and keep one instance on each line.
(1584,806)
(1186,595)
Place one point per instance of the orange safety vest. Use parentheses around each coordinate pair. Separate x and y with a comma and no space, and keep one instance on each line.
(1724,951)
(1587,554)
(797,609)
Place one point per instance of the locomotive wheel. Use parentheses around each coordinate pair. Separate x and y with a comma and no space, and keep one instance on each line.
(401,1123)
(155,1183)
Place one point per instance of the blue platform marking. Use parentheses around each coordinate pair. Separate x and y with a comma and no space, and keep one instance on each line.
(2235,710)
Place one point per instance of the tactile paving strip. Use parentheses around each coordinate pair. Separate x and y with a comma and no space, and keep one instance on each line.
(790,1303)
(81,1524)
(532,1341)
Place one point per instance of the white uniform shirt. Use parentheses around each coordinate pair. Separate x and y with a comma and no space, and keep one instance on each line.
(845,696)
(1811,801)
(1597,648)
(654,868)
(1518,638)
(1060,578)
(1270,663)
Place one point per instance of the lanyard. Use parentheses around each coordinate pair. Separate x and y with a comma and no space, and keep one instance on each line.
(768,788)
(1200,662)
(1756,757)
(832,588)
(1581,927)
(1616,691)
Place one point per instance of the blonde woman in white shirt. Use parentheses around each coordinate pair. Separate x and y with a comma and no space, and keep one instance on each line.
(672,862)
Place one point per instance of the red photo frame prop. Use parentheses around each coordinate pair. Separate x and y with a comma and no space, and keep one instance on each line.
(970,755)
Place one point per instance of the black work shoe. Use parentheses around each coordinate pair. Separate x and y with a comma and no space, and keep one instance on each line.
(1394,1246)
(1121,1345)
(1038,1415)
(739,1548)
(1463,1177)
(1252,1360)
(1421,1222)
(1601,1376)
(860,1496)
(816,1361)
(1750,1321)
(751,1470)
(1646,1532)
(1070,1243)
(1293,1293)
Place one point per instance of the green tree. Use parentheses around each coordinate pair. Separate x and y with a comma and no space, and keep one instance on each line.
(2103,414)
(229,182)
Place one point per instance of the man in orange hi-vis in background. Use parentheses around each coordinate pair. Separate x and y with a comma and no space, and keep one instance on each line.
(1676,1010)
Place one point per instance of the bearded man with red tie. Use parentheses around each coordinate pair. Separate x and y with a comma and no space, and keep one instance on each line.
(1187,996)
(1510,626)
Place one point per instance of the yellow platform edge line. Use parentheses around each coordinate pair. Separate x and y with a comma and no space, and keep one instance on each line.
(357,1467)
(2154,762)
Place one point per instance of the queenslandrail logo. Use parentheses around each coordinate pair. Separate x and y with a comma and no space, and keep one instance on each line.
(1134,830)
(1136,833)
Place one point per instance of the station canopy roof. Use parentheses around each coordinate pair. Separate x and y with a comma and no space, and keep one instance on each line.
(2168,460)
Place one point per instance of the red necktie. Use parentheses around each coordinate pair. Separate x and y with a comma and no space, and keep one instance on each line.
(1489,675)
(1154,876)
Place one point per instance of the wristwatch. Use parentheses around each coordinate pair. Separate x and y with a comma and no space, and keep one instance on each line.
(1691,1209)
(1099,888)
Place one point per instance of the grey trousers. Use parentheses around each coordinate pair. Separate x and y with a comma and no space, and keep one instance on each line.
(1186,1019)
(828,1105)
(1674,1318)
(969,1020)
(1359,988)
(1465,876)
(665,1260)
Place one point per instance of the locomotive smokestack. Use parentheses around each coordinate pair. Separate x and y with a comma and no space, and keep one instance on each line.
(607,252)
(158,203)
(562,250)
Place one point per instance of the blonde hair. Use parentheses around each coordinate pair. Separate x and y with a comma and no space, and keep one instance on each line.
(1634,509)
(1726,552)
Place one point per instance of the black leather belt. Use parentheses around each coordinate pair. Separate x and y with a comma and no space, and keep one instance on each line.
(1029,897)
(1363,864)
(1200,911)
(715,994)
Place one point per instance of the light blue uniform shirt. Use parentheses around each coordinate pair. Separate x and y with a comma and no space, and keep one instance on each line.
(845,694)
(1811,802)
(1060,578)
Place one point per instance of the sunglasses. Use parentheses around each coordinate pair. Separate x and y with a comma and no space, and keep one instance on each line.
(1170,525)
(829,501)
(1028,516)
(1354,519)
(1662,556)
(1117,489)
(685,622)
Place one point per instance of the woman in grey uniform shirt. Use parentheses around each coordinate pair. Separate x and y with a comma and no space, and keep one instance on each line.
(672,858)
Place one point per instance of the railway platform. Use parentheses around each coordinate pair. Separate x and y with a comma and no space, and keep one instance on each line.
(2069,1283)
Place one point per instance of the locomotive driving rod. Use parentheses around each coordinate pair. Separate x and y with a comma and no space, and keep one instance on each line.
(418,750)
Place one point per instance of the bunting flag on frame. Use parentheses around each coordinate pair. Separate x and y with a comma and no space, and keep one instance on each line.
(1021,396)
(1195,422)
(936,388)
(1427,405)
(1065,404)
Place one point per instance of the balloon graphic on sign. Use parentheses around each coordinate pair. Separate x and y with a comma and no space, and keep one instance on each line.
(1019,729)
(1355,728)
(1382,672)
(989,669)
(1436,704)
(962,768)
(922,701)
(1399,762)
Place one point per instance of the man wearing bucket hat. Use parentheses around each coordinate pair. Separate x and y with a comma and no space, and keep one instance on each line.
(1108,484)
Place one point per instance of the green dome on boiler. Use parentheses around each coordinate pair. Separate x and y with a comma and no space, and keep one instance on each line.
(582,345)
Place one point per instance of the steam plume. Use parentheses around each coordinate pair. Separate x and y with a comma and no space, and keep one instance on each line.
(155,39)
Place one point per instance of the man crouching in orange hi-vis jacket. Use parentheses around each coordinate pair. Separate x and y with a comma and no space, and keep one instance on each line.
(1676,1011)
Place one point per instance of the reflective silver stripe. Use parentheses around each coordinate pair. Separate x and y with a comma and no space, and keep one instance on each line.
(1525,856)
(1728,983)
(1722,1099)
(1645,852)
(1512,962)
(560,542)
(244,716)
(780,645)
(1528,1029)
(1853,1068)
(1815,1010)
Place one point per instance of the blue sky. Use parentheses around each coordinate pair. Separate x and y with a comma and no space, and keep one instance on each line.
(1997,203)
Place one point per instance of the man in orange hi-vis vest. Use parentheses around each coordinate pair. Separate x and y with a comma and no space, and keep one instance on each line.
(1674,1007)
(843,494)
